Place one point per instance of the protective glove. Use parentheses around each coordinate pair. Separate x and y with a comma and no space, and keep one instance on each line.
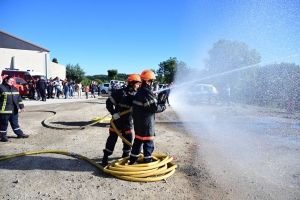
(163,107)
(163,101)
(116,116)
(161,98)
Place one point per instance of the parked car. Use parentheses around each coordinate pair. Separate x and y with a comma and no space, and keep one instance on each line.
(121,83)
(104,89)
(202,93)
(160,86)
(21,85)
(117,84)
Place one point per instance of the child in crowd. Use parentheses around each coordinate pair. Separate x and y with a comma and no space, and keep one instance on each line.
(87,91)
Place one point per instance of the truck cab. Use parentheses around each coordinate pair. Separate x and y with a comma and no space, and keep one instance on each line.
(17,73)
(26,75)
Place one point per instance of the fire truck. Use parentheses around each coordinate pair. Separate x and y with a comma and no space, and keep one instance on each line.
(25,75)
(22,86)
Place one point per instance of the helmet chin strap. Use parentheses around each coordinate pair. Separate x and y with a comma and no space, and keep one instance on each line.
(150,82)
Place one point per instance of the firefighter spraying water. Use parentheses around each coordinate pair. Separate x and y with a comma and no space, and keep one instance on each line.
(145,105)
(119,101)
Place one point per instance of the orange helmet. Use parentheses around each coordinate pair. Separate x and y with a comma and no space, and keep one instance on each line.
(148,75)
(134,77)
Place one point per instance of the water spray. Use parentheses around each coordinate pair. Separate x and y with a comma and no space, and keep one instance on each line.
(227,72)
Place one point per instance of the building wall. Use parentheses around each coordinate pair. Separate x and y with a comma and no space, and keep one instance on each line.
(25,60)
(16,53)
(57,70)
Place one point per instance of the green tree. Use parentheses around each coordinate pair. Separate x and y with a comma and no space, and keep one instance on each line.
(55,60)
(122,77)
(86,82)
(182,69)
(167,70)
(227,55)
(99,81)
(233,63)
(112,74)
(103,78)
(74,72)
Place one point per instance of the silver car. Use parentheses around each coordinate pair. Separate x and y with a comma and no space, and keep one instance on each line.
(104,89)
(203,93)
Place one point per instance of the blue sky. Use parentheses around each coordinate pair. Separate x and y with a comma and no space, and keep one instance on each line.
(134,35)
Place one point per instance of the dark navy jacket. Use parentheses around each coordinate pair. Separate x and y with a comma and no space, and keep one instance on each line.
(119,101)
(145,106)
(41,84)
(9,99)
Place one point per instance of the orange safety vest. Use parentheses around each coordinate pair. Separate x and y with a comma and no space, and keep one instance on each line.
(87,89)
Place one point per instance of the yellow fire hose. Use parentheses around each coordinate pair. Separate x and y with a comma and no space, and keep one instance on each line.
(45,122)
(160,169)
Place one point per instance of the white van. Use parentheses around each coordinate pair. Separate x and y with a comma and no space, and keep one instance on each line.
(117,82)
(37,75)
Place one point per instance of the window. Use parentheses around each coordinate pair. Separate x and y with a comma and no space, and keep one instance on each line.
(20,81)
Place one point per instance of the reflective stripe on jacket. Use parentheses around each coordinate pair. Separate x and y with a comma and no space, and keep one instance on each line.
(144,107)
(120,101)
(9,98)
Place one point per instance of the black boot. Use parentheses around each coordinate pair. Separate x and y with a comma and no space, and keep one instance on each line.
(125,154)
(132,160)
(23,136)
(3,139)
(104,161)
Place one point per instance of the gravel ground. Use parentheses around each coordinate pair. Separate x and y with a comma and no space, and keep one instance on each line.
(55,176)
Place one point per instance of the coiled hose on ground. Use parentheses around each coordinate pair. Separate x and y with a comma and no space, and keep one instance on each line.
(160,169)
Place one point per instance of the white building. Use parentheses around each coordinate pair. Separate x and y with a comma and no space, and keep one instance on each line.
(16,53)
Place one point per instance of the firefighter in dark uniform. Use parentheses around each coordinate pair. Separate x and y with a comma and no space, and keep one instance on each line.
(31,88)
(145,105)
(41,86)
(119,101)
(10,104)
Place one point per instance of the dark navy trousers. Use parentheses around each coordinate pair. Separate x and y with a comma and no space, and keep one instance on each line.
(148,148)
(14,123)
(125,127)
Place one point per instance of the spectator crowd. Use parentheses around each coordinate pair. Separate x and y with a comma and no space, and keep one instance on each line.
(41,89)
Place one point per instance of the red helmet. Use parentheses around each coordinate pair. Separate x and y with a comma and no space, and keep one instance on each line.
(134,77)
(148,75)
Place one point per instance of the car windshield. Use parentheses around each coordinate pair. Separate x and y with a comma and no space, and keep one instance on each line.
(28,77)
(20,81)
(35,77)
(206,88)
